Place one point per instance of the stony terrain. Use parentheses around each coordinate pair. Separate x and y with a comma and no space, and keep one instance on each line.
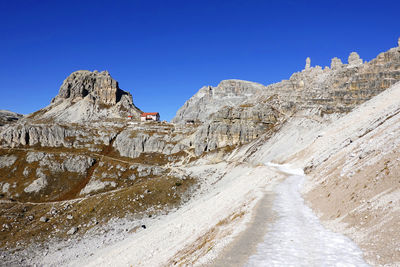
(88,96)
(7,117)
(74,165)
(236,112)
(85,171)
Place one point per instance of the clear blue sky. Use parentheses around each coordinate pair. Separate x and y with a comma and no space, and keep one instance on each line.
(164,51)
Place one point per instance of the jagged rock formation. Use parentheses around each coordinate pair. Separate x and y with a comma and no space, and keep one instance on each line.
(354,59)
(88,96)
(7,117)
(161,139)
(210,99)
(313,91)
(84,156)
(231,126)
(308,63)
(82,83)
(336,63)
(54,136)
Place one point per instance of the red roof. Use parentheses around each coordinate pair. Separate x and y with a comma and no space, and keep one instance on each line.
(145,114)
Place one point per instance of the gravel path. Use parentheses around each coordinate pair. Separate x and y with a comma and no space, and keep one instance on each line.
(297,238)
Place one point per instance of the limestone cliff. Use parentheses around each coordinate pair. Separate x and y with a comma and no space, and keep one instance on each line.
(7,117)
(210,99)
(313,92)
(88,96)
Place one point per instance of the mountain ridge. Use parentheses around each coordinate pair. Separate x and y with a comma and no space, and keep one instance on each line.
(79,174)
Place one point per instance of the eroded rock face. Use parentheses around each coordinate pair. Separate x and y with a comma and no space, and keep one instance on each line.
(133,142)
(86,97)
(336,89)
(232,126)
(336,63)
(82,83)
(313,91)
(56,135)
(64,162)
(210,99)
(7,117)
(354,59)
(308,63)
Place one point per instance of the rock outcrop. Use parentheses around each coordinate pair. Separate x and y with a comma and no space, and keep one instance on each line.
(88,96)
(160,139)
(7,117)
(56,135)
(232,126)
(308,63)
(100,85)
(313,91)
(336,63)
(354,59)
(210,99)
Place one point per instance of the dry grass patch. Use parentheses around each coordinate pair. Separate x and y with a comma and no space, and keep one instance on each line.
(147,195)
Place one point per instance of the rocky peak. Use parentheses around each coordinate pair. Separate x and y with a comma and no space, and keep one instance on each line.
(210,99)
(7,117)
(99,85)
(354,59)
(336,63)
(235,111)
(88,96)
(308,63)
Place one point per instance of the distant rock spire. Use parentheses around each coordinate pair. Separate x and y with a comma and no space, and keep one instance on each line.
(336,63)
(354,59)
(398,41)
(308,63)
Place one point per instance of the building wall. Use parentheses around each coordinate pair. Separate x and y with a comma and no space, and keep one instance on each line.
(150,117)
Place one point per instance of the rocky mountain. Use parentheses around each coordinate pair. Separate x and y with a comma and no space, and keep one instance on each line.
(338,88)
(79,174)
(88,96)
(7,117)
(210,99)
(236,112)
(86,143)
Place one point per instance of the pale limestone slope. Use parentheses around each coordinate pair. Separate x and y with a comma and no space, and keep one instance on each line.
(354,170)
